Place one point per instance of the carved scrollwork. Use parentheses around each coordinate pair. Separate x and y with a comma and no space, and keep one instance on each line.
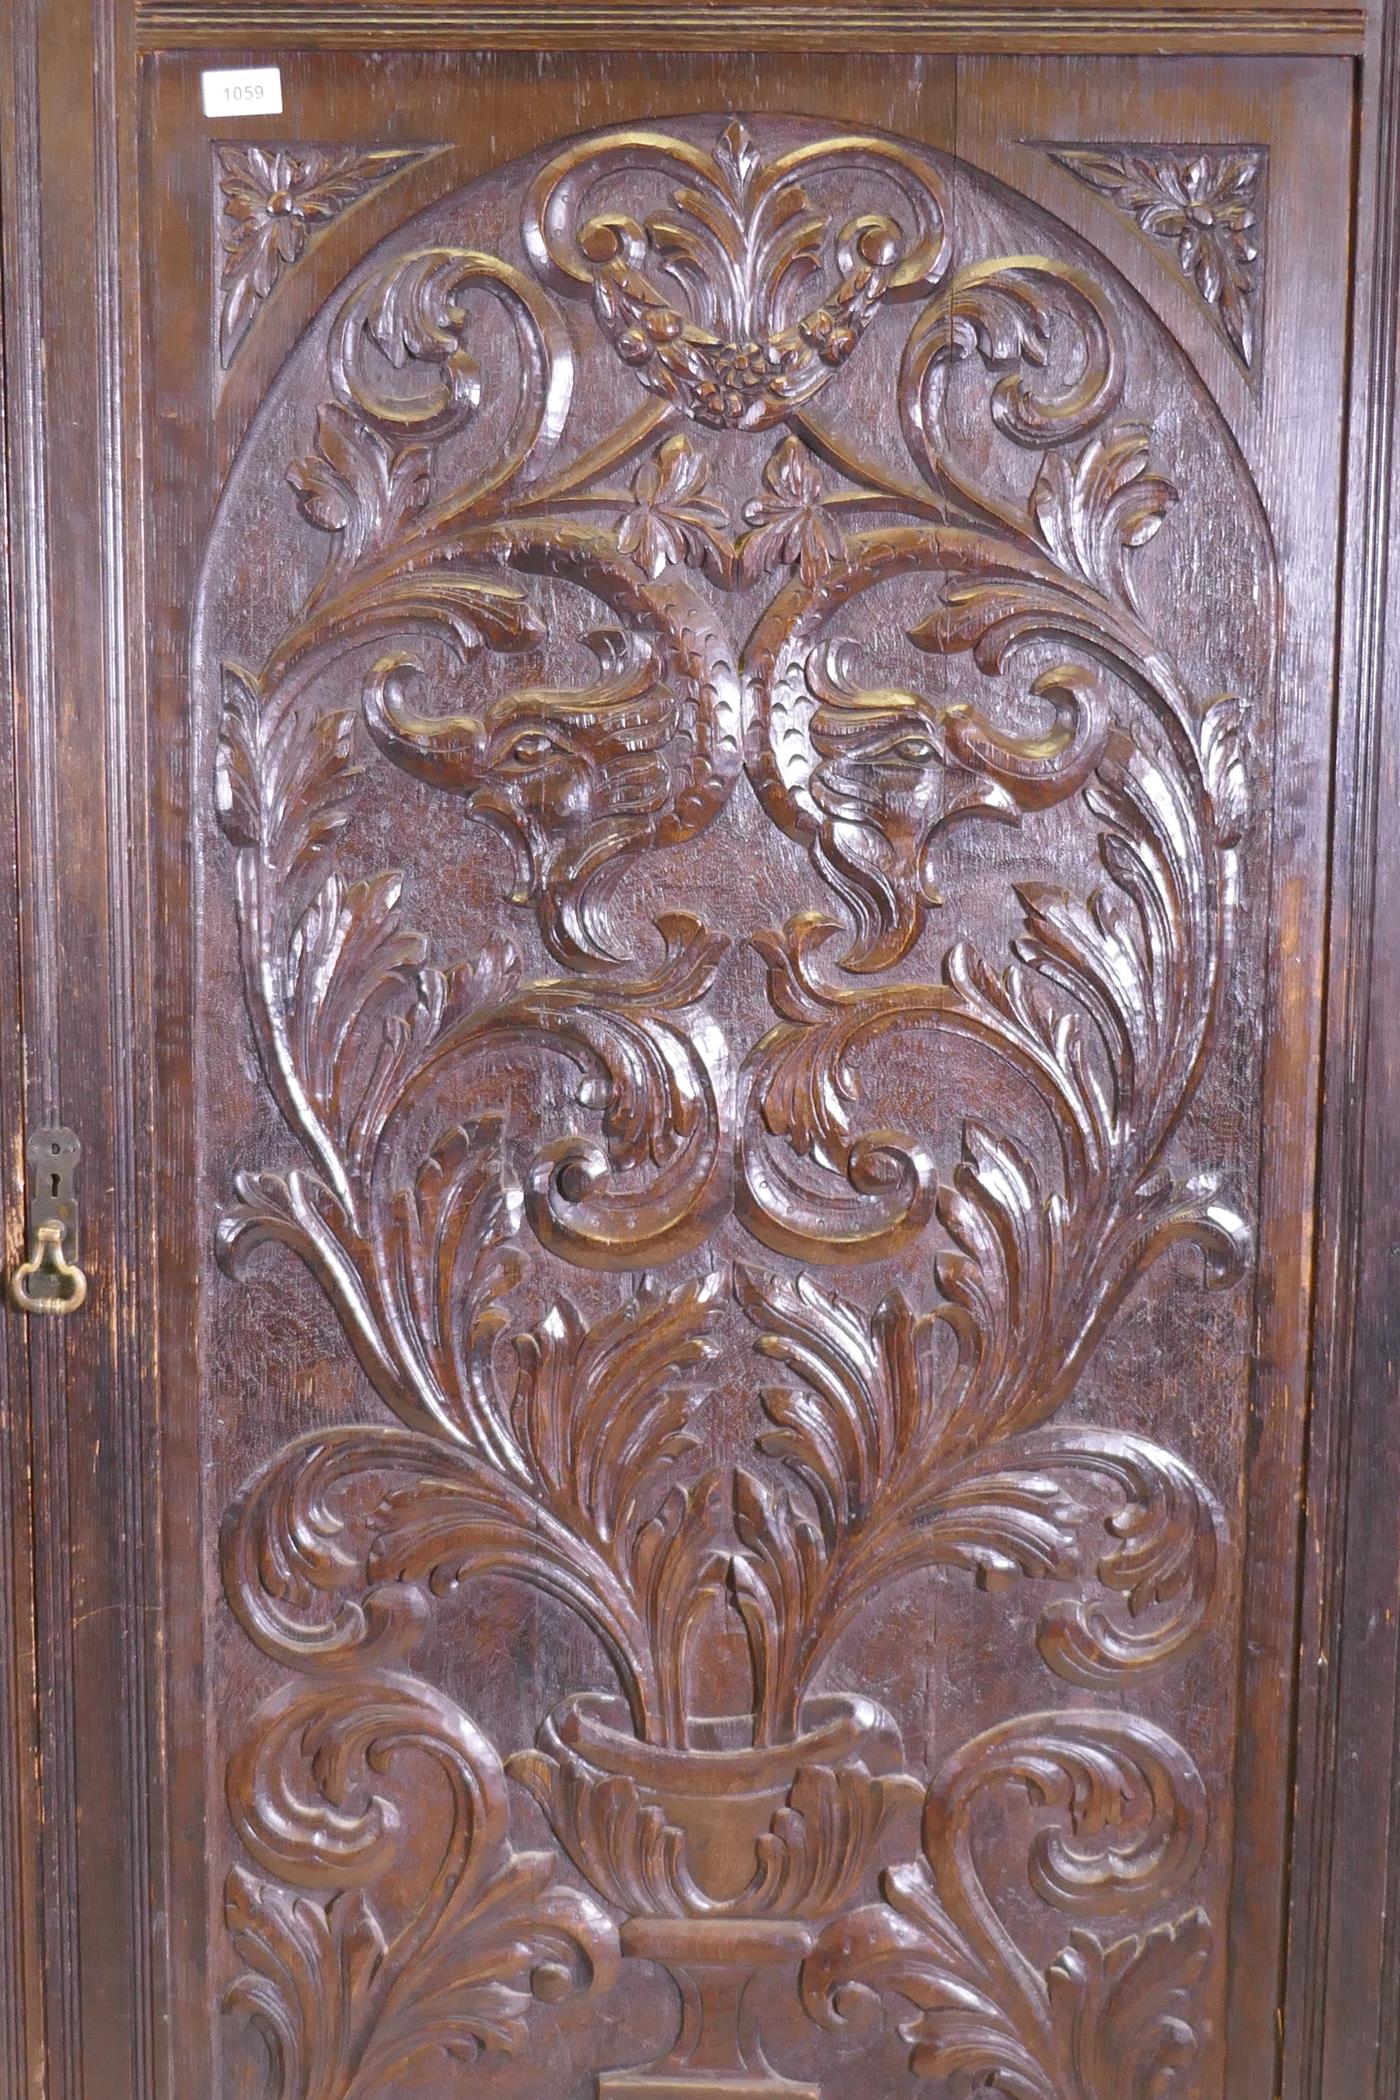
(577,780)
(333,1551)
(1123,1823)
(737,239)
(345,2002)
(331,964)
(1086,982)
(868,779)
(416,314)
(1007,312)
(898,1476)
(554,1437)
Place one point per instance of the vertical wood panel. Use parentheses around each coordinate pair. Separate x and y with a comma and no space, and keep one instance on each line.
(82,1801)
(1344,1970)
(22,2040)
(1288,419)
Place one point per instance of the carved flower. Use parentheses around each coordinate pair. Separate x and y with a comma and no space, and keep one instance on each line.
(722,406)
(753,364)
(273,199)
(790,525)
(738,377)
(268,196)
(1204,206)
(671,520)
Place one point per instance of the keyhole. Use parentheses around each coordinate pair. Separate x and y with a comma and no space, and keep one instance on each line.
(55,1179)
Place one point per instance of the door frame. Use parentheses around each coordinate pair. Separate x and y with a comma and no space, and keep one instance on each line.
(82,1802)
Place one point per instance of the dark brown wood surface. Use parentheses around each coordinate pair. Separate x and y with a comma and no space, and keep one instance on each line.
(626,25)
(704,1415)
(881,993)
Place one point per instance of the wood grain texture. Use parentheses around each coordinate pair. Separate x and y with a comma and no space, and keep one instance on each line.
(1207,208)
(22,2054)
(271,204)
(80,928)
(718,1464)
(1347,1860)
(717,25)
(719,479)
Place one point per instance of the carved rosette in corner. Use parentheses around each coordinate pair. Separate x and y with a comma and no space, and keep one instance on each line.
(274,200)
(1205,206)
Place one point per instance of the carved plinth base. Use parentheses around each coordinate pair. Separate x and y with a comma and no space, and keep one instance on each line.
(701,2085)
(717,2054)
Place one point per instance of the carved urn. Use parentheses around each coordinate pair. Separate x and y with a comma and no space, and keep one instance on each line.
(724,1854)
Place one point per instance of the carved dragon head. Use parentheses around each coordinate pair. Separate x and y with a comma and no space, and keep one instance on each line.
(889,768)
(575,780)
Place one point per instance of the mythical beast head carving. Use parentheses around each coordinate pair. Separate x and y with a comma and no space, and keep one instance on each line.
(578,781)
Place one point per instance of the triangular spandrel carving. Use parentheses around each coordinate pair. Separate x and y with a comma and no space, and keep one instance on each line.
(1205,206)
(271,203)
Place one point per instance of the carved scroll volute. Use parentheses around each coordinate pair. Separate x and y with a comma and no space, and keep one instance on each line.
(1124,1830)
(740,236)
(709,1186)
(868,775)
(346,2002)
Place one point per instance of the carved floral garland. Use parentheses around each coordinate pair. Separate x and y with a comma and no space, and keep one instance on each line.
(887,1461)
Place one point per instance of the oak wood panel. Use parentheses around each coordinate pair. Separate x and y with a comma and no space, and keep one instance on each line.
(682,520)
(101,1972)
(92,1796)
(1347,1853)
(21,1864)
(1294,452)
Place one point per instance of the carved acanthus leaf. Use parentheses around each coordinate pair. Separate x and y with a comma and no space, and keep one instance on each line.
(1092,510)
(549,1435)
(347,2003)
(896,1480)
(331,1553)
(1044,327)
(1104,2020)
(737,241)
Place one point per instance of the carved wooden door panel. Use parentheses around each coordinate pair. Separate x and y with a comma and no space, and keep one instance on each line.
(742,665)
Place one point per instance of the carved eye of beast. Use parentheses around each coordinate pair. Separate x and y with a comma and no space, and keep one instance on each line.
(575,780)
(529,751)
